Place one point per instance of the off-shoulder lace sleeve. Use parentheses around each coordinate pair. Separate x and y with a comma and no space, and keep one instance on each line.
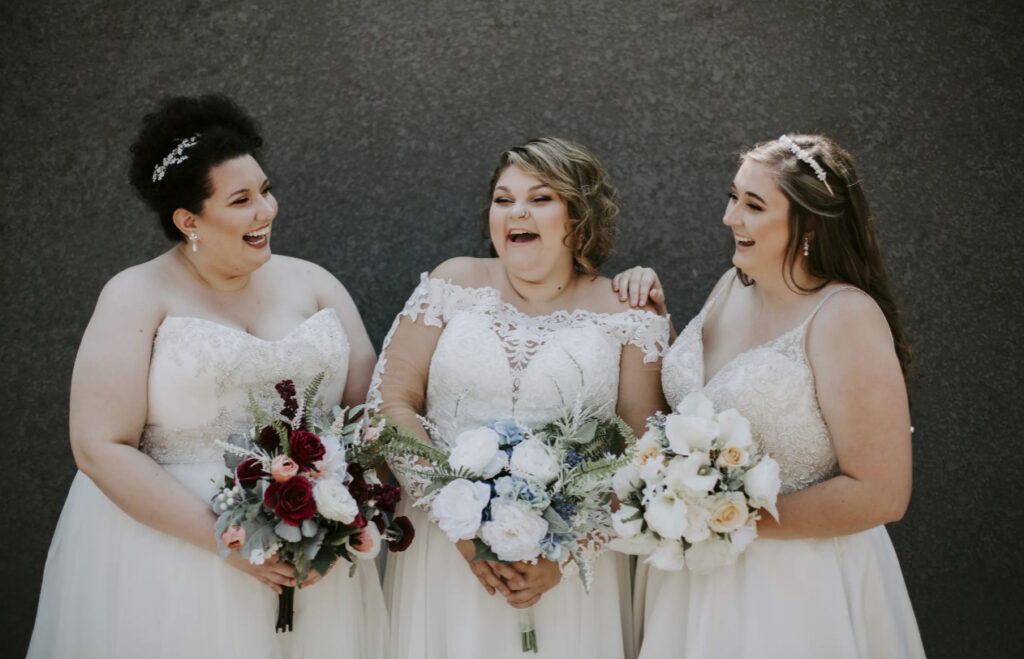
(645,330)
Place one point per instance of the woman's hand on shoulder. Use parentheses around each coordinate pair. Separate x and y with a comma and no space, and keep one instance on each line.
(640,286)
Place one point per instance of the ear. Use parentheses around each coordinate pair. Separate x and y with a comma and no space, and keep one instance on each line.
(184,220)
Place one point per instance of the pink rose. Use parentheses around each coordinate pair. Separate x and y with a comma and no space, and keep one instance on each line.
(233,537)
(366,542)
(283,468)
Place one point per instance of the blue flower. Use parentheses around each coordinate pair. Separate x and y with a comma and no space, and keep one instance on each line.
(556,546)
(566,509)
(511,434)
(573,459)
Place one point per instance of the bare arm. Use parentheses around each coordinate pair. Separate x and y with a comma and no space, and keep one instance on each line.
(107,414)
(863,399)
(362,357)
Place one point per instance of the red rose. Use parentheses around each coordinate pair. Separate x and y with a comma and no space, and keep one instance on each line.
(404,526)
(292,500)
(249,472)
(306,448)
(269,439)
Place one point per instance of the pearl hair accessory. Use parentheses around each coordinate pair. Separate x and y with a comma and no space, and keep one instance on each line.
(174,157)
(194,238)
(807,158)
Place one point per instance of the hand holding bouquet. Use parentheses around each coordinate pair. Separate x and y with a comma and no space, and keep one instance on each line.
(305,492)
(693,490)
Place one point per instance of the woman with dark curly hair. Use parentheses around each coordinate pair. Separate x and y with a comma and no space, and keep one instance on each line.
(514,337)
(804,338)
(173,349)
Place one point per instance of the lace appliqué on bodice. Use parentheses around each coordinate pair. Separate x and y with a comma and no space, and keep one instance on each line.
(772,385)
(201,374)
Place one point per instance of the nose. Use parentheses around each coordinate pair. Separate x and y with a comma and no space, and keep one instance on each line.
(733,216)
(266,208)
(519,209)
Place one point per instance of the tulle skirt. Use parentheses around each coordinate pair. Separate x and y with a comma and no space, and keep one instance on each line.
(439,610)
(116,588)
(842,598)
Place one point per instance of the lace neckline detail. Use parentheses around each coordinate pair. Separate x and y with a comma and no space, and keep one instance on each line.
(242,332)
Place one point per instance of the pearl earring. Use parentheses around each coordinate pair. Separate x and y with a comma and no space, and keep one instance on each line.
(807,247)
(194,237)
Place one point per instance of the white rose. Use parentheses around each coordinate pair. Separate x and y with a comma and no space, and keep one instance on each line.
(667,556)
(641,544)
(477,452)
(693,472)
(514,532)
(666,515)
(333,464)
(708,555)
(687,433)
(334,501)
(457,508)
(728,512)
(626,480)
(762,483)
(696,523)
(533,461)
(741,538)
(627,529)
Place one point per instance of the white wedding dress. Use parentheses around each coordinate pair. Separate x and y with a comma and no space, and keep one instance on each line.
(115,588)
(492,363)
(842,597)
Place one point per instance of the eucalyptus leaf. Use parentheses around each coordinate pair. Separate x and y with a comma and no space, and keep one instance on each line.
(484,553)
(309,528)
(555,523)
(311,546)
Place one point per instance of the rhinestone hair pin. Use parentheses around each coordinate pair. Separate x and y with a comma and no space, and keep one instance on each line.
(819,171)
(177,155)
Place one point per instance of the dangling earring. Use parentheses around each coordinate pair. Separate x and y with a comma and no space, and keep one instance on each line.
(194,237)
(807,247)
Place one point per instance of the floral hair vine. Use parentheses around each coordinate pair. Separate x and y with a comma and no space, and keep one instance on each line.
(177,155)
(819,171)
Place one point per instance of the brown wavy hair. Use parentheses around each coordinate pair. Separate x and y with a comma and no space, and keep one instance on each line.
(584,185)
(845,246)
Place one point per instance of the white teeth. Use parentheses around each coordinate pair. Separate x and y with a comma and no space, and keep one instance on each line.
(518,232)
(256,234)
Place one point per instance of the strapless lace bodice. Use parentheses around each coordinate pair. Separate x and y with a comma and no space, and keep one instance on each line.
(493,362)
(772,385)
(201,374)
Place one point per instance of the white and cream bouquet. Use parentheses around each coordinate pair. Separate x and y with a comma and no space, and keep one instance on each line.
(693,489)
(521,493)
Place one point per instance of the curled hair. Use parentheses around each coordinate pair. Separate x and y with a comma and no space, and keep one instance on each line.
(845,246)
(584,185)
(224,132)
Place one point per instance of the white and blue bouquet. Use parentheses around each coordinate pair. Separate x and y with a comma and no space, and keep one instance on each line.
(521,493)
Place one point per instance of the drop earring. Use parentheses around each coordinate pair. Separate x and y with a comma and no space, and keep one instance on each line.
(194,238)
(807,247)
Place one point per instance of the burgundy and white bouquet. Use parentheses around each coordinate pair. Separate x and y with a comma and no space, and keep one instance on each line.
(520,493)
(693,491)
(305,491)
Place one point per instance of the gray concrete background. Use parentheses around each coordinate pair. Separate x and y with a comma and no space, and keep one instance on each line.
(383,121)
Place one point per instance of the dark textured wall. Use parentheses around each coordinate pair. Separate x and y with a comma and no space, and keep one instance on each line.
(384,119)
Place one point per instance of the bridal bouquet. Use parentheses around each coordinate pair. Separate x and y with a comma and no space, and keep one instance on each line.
(304,490)
(519,493)
(693,489)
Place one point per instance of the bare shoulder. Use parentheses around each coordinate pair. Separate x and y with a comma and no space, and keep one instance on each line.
(723,282)
(600,297)
(467,271)
(848,317)
(143,286)
(279,264)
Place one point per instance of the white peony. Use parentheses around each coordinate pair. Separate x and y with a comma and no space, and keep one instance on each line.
(333,464)
(334,501)
(514,532)
(728,512)
(666,515)
(457,508)
(762,485)
(688,433)
(708,555)
(667,556)
(477,452)
(533,461)
(627,529)
(626,480)
(693,473)
(697,523)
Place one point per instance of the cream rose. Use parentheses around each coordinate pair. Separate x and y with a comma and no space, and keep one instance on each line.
(457,508)
(728,512)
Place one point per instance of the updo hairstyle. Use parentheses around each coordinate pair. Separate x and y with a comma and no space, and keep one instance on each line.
(222,131)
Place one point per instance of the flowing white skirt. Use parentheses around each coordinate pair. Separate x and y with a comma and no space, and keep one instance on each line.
(440,611)
(116,588)
(842,598)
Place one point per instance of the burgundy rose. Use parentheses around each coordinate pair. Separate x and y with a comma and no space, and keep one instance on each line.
(269,440)
(292,500)
(408,533)
(306,448)
(249,472)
